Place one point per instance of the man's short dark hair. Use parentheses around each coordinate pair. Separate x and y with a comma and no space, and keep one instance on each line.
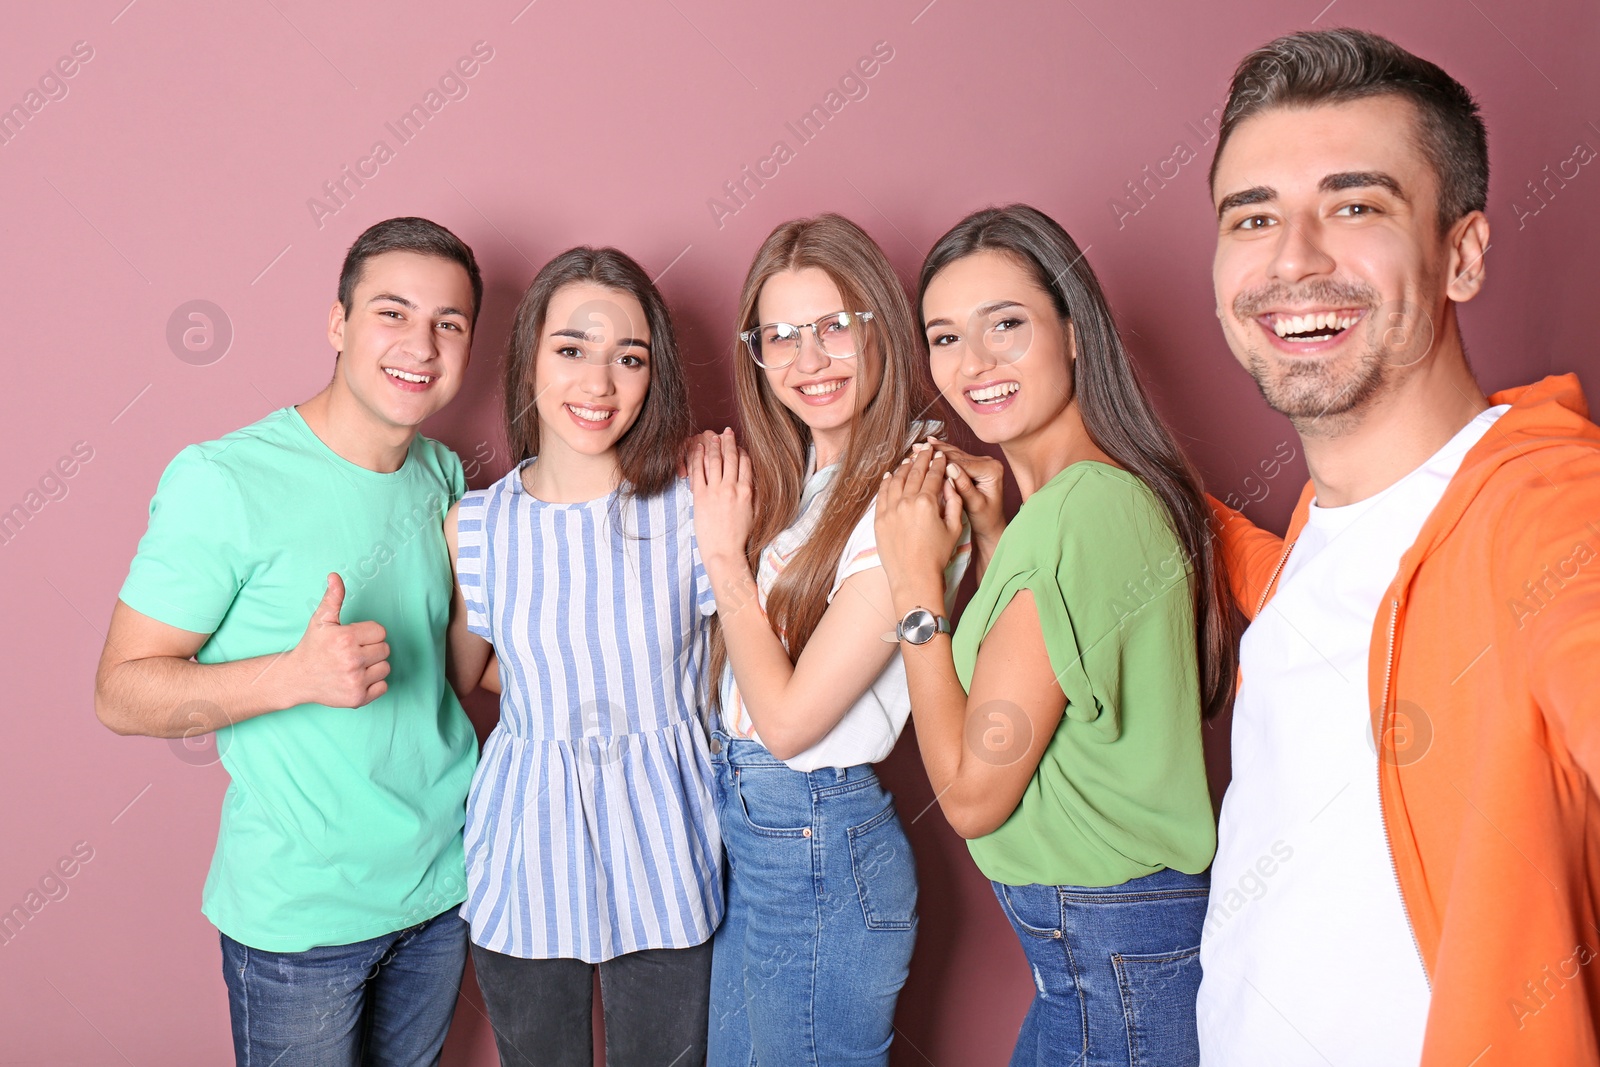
(1335,66)
(408,234)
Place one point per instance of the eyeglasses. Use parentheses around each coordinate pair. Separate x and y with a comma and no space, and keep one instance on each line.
(775,345)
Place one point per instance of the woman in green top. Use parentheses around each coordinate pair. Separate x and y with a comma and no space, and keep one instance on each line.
(1061,726)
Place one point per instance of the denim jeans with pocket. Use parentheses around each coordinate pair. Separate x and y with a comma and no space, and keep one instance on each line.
(821,916)
(1115,971)
(384,1001)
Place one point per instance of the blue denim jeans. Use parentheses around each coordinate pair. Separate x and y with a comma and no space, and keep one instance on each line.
(1115,971)
(821,914)
(388,1000)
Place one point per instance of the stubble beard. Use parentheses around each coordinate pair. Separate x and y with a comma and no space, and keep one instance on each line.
(1323,395)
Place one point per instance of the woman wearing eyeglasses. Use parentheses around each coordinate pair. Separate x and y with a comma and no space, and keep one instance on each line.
(821,899)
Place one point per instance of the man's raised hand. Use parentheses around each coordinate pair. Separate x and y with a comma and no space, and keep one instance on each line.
(339,665)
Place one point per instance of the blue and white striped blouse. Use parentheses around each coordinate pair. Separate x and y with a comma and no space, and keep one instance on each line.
(590,826)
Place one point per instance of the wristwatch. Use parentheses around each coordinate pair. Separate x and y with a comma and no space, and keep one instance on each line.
(919,626)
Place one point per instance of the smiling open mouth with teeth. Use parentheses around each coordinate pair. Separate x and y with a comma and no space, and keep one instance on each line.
(591,414)
(1314,326)
(822,388)
(992,394)
(407,376)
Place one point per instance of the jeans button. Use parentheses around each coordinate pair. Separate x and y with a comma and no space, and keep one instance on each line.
(716,746)
(806,832)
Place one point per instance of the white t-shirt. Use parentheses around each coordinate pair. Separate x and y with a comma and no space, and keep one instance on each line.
(868,731)
(1307,953)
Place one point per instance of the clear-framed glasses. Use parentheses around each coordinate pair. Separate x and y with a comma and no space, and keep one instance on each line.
(775,345)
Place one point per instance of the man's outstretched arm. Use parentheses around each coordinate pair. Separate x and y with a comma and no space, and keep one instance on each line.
(148,684)
(1251,554)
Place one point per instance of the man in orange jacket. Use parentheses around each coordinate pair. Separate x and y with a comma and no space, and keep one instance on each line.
(1409,850)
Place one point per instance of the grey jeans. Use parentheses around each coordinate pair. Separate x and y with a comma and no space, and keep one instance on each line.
(655,1004)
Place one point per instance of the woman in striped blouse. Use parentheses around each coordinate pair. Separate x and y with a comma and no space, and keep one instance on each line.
(822,887)
(591,837)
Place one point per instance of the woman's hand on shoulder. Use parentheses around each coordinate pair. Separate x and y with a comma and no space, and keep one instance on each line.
(724,496)
(918,521)
(980,482)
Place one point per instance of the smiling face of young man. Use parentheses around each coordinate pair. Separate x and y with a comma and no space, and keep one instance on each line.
(406,340)
(1333,278)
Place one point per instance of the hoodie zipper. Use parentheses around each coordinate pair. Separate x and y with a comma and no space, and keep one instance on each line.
(1266,590)
(1388,844)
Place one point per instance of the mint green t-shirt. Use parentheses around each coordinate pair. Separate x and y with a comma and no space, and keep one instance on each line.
(339,824)
(1121,790)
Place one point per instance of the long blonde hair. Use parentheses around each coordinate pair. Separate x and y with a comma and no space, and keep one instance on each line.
(777,439)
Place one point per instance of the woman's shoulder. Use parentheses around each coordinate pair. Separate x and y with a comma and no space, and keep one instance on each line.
(679,490)
(1090,509)
(675,498)
(477,499)
(667,514)
(1091,494)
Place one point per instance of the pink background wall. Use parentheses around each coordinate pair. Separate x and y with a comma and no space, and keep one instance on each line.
(178,166)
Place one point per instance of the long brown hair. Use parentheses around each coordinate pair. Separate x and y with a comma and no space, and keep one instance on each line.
(1117,414)
(650,451)
(777,439)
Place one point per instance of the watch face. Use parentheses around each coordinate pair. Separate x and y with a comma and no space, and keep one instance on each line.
(919,626)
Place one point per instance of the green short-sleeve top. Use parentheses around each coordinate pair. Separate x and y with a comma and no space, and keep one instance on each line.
(1121,790)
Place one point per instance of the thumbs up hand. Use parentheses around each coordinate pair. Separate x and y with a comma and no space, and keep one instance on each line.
(341,666)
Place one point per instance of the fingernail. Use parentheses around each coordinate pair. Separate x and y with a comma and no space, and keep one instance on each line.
(938,455)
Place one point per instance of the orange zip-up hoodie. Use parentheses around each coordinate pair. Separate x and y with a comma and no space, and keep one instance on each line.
(1484,684)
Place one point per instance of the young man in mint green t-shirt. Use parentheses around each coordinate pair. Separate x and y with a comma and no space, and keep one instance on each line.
(300,562)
